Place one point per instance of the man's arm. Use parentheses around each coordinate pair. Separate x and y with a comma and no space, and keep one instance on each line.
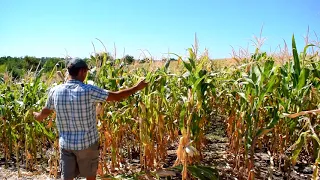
(123,94)
(47,109)
(44,113)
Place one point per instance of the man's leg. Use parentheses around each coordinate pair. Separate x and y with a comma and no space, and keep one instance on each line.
(68,165)
(88,160)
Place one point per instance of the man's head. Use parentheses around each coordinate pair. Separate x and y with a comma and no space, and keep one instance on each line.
(77,69)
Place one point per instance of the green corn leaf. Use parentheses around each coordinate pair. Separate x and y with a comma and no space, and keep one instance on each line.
(250,81)
(304,54)
(271,83)
(192,57)
(243,96)
(105,58)
(268,67)
(254,77)
(48,134)
(201,172)
(192,63)
(196,84)
(182,117)
(187,66)
(315,70)
(303,78)
(257,69)
(296,65)
(298,147)
(317,141)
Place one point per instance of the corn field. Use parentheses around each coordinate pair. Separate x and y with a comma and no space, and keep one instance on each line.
(267,106)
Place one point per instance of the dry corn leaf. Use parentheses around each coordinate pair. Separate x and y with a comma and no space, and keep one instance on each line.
(316,111)
(165,173)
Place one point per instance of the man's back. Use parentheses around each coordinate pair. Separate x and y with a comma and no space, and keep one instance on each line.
(74,103)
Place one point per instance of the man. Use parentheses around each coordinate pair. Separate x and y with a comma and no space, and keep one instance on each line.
(74,104)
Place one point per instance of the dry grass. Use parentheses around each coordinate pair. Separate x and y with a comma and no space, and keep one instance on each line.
(176,66)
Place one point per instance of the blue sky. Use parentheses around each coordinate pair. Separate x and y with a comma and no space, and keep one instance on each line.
(50,28)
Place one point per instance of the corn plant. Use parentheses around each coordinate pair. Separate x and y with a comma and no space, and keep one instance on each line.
(259,92)
(258,97)
(21,133)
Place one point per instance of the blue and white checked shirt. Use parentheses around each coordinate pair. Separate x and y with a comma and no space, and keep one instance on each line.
(75,106)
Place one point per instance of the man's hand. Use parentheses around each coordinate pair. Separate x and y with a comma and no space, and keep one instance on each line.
(120,95)
(39,116)
(142,84)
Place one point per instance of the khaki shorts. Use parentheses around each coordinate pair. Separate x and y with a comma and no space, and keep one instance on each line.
(82,163)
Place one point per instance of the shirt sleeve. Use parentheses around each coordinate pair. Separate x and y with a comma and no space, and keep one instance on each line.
(49,103)
(98,94)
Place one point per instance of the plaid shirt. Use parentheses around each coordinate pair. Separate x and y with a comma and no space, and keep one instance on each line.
(74,103)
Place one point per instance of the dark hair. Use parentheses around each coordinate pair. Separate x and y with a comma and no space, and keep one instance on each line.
(74,71)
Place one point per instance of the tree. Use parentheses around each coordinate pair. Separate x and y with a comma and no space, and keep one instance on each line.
(128,59)
(31,62)
(50,63)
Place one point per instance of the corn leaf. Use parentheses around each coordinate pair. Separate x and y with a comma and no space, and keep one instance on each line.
(296,64)
(298,147)
(303,78)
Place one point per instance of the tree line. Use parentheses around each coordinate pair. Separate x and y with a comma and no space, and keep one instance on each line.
(18,66)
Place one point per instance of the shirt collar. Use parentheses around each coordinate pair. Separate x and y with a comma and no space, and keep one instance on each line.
(74,81)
